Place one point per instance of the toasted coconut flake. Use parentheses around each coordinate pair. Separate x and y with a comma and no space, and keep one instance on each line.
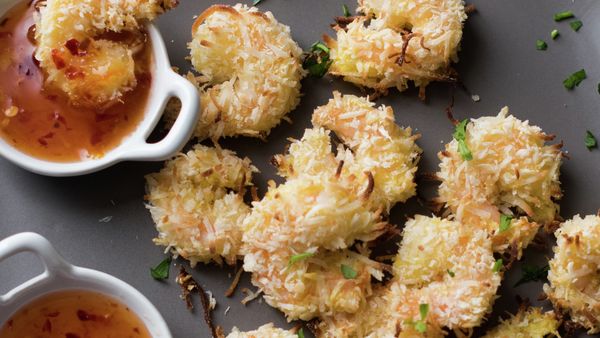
(527,323)
(265,331)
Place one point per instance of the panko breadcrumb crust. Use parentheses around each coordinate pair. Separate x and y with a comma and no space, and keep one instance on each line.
(513,172)
(574,277)
(250,71)
(397,41)
(101,73)
(527,323)
(328,202)
(441,263)
(197,203)
(265,331)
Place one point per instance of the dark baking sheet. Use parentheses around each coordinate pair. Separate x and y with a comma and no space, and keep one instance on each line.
(499,62)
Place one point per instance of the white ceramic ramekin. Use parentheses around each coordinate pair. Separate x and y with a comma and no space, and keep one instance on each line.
(165,84)
(59,275)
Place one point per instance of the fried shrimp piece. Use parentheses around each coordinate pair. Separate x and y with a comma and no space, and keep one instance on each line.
(265,331)
(251,71)
(513,172)
(397,41)
(527,323)
(297,237)
(574,277)
(75,49)
(197,203)
(441,265)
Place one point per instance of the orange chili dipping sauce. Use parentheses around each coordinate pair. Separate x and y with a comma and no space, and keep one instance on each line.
(74,314)
(42,123)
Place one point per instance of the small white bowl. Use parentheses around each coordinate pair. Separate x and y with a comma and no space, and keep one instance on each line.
(165,84)
(59,275)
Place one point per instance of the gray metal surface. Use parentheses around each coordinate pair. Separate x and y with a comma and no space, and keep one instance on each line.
(499,62)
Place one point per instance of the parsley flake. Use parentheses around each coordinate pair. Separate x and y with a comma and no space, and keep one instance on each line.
(161,271)
(533,274)
(541,45)
(505,221)
(451,273)
(299,257)
(317,60)
(423,310)
(346,10)
(498,265)
(575,79)
(460,135)
(420,325)
(576,25)
(554,34)
(300,333)
(590,140)
(348,272)
(563,15)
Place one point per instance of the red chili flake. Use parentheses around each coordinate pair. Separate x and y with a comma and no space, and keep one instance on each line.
(57,117)
(96,137)
(71,335)
(52,97)
(47,326)
(59,62)
(73,46)
(53,314)
(42,142)
(10,324)
(74,73)
(106,117)
(5,35)
(3,22)
(84,316)
(144,78)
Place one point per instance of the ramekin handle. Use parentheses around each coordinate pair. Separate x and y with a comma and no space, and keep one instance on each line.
(182,129)
(41,247)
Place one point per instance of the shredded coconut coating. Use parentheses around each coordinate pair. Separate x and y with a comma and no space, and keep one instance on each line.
(431,248)
(326,204)
(527,323)
(265,331)
(197,203)
(574,275)
(104,70)
(367,53)
(513,172)
(251,71)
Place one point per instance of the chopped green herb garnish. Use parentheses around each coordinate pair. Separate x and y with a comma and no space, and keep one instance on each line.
(575,79)
(498,265)
(541,45)
(346,10)
(317,61)
(505,221)
(598,88)
(161,271)
(460,134)
(590,140)
(554,34)
(563,15)
(299,257)
(576,25)
(255,2)
(348,272)
(300,333)
(451,273)
(420,325)
(533,273)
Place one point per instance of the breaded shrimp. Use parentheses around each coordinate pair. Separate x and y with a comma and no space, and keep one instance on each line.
(326,204)
(75,50)
(527,323)
(397,41)
(442,265)
(574,277)
(265,331)
(195,215)
(513,172)
(251,71)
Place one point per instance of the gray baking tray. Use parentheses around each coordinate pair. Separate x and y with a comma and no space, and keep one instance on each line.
(499,62)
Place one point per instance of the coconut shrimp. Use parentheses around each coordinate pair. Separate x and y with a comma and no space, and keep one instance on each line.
(265,331)
(574,278)
(397,41)
(78,54)
(250,71)
(197,203)
(512,172)
(297,237)
(527,323)
(444,278)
